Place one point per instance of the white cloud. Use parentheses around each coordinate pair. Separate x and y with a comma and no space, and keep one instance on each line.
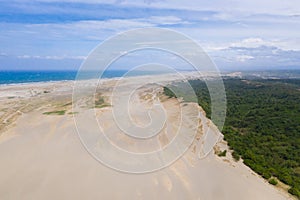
(97,30)
(112,24)
(52,57)
(165,20)
(254,43)
(258,42)
(239,31)
(230,7)
(251,43)
(244,58)
(3,54)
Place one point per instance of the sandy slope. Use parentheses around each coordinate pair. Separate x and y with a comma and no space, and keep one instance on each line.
(42,157)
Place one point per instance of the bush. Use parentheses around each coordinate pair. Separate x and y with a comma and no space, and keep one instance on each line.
(168,92)
(58,112)
(273,181)
(266,175)
(236,156)
(223,153)
(294,191)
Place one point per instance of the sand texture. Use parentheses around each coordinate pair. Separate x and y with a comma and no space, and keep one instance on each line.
(42,157)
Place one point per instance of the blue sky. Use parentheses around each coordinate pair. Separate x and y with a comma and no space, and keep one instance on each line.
(238,35)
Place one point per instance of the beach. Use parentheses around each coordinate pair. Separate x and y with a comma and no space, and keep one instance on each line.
(43,157)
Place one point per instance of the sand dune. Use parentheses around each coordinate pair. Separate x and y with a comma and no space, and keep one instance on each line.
(42,156)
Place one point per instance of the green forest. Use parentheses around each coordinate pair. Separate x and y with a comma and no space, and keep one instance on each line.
(262,125)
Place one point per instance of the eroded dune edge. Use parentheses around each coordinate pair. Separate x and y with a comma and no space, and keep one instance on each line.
(42,156)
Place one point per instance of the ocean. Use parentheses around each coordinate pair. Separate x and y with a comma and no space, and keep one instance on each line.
(14,77)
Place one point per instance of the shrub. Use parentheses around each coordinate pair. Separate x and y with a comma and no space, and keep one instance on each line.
(236,156)
(294,191)
(58,112)
(169,92)
(273,181)
(222,153)
(266,175)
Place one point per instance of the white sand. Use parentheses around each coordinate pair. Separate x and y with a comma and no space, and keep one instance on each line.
(41,157)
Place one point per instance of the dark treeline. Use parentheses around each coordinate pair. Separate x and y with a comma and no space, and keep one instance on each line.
(262,125)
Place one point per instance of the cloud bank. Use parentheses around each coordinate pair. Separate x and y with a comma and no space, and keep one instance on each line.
(236,34)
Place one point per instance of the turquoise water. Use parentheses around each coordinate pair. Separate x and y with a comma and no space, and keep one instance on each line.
(13,77)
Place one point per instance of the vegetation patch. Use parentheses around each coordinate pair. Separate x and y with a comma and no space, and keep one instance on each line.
(235,156)
(100,103)
(68,104)
(222,153)
(72,113)
(58,112)
(168,92)
(262,125)
(273,181)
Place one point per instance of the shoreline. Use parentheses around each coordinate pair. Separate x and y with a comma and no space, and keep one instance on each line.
(87,79)
(185,73)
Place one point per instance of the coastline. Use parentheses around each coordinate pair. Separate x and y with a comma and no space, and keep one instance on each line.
(32,77)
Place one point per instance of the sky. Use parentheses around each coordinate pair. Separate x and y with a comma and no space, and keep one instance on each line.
(237,35)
